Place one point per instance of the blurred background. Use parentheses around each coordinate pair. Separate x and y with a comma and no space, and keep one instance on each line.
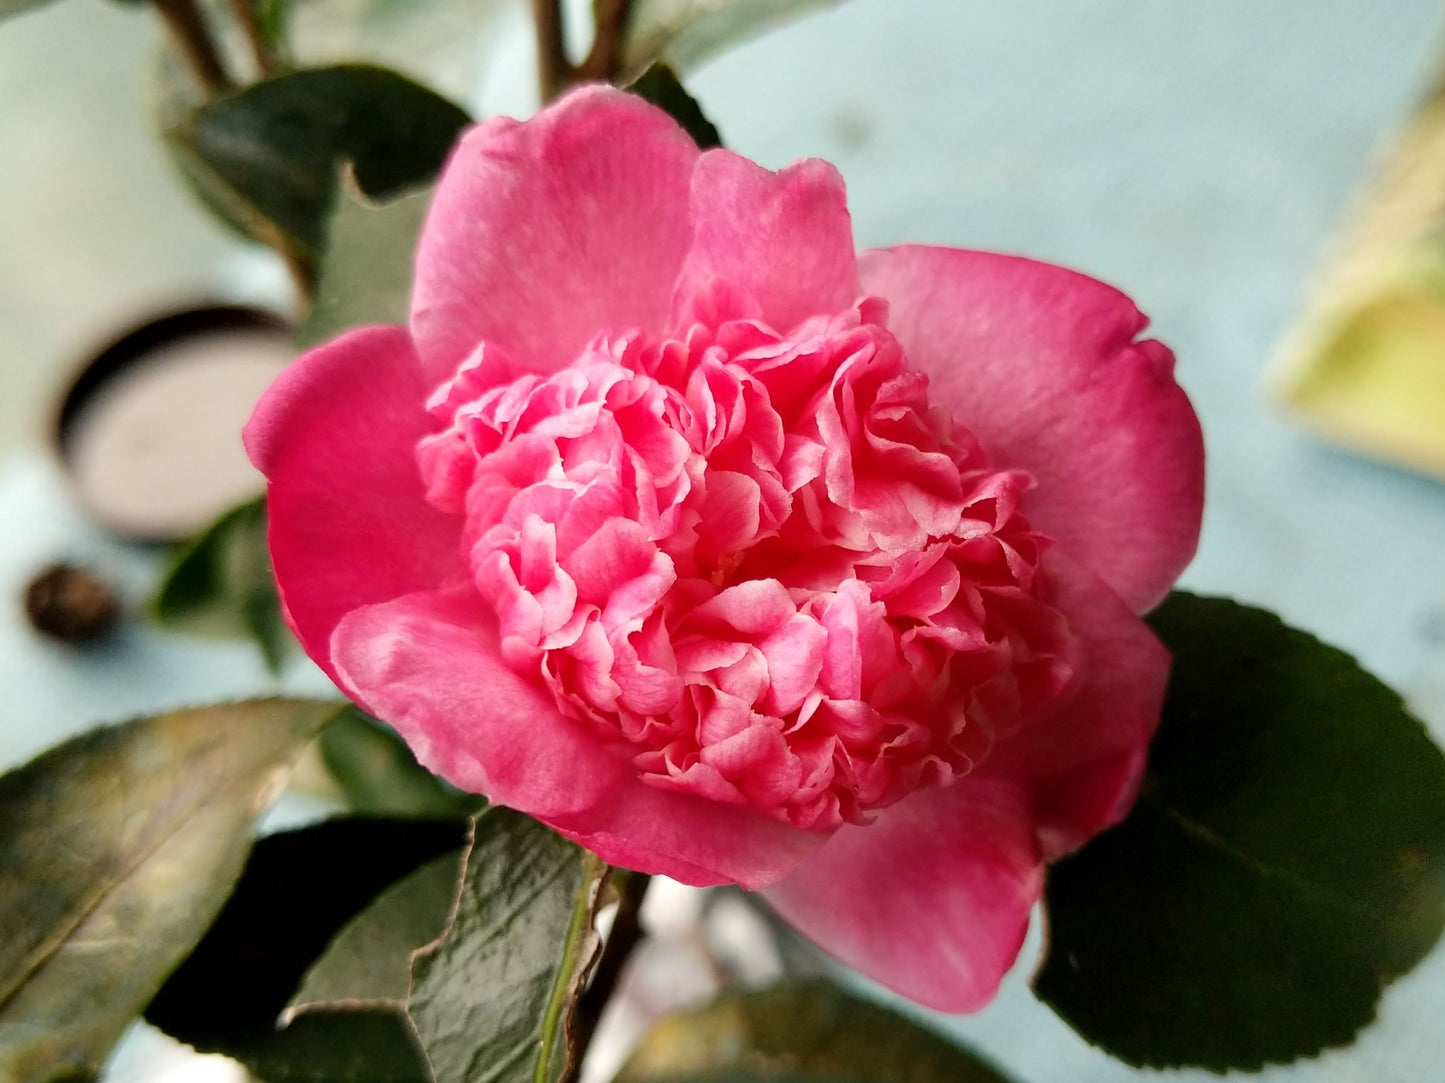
(1200,156)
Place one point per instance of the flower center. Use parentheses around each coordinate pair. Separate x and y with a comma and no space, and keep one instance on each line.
(759,566)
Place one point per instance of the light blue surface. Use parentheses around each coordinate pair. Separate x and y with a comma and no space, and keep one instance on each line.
(1197,154)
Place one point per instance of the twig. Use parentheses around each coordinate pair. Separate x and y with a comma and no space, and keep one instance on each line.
(554,72)
(250,24)
(625,934)
(187,27)
(604,60)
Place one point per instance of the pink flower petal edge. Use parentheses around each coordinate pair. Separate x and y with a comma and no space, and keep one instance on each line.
(429,664)
(542,233)
(1047,367)
(932,900)
(347,522)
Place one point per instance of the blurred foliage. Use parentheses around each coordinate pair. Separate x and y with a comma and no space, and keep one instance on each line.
(800,1032)
(379,775)
(659,85)
(117,848)
(365,271)
(220,583)
(686,32)
(266,158)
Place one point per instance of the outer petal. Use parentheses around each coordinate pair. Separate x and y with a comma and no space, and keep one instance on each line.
(349,527)
(931,900)
(691,839)
(1083,763)
(785,238)
(430,665)
(1042,365)
(542,234)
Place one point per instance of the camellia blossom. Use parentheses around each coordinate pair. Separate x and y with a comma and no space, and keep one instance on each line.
(735,556)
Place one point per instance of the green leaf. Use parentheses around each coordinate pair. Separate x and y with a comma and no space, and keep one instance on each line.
(1285,859)
(489,997)
(659,85)
(799,1032)
(299,889)
(268,155)
(686,32)
(379,775)
(117,848)
(365,271)
(220,583)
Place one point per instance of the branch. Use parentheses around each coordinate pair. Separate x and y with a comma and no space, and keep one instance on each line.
(604,61)
(186,26)
(554,72)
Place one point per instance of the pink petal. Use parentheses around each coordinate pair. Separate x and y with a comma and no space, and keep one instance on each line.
(931,900)
(349,523)
(430,665)
(1042,364)
(1073,807)
(784,238)
(542,234)
(691,839)
(1084,762)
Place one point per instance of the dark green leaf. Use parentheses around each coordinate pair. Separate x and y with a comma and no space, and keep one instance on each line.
(269,155)
(659,85)
(365,273)
(1285,860)
(220,582)
(491,997)
(298,890)
(379,775)
(799,1032)
(117,849)
(685,32)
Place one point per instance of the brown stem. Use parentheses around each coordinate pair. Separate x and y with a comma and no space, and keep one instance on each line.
(250,25)
(625,934)
(604,61)
(186,26)
(554,72)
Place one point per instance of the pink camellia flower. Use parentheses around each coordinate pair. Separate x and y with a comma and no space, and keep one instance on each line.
(735,556)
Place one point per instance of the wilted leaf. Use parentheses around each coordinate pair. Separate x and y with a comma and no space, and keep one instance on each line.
(659,85)
(298,890)
(379,775)
(117,849)
(365,269)
(1285,860)
(268,156)
(802,1032)
(220,583)
(1374,378)
(684,32)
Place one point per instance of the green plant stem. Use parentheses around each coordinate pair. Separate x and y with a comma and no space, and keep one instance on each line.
(604,60)
(624,936)
(187,27)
